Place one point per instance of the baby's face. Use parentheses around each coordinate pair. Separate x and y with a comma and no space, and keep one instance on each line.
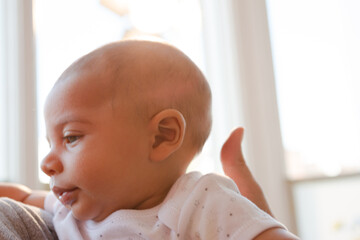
(98,159)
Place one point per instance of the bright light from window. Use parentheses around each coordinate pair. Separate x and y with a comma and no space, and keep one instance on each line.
(316,56)
(156,16)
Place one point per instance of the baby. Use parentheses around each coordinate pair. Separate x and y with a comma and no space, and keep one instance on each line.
(123,123)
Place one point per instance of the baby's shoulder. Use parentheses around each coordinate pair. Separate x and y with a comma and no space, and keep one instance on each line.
(208,183)
(196,187)
(211,206)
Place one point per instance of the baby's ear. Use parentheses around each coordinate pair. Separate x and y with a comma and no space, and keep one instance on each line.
(168,130)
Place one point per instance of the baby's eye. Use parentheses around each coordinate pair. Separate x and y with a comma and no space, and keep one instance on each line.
(71,139)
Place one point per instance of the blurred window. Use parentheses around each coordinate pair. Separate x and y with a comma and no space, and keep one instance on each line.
(316,53)
(316,59)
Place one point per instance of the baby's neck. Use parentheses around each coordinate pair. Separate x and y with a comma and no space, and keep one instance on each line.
(162,180)
(158,196)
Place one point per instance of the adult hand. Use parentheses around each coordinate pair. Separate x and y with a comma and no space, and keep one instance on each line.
(235,167)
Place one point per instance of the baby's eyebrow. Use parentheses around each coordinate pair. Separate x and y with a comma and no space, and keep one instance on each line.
(71,118)
(66,121)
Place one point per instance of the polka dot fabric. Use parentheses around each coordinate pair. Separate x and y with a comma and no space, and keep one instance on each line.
(197,207)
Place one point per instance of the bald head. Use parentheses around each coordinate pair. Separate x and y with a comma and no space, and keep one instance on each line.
(149,77)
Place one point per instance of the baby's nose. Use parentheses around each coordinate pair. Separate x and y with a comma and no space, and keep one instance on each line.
(51,165)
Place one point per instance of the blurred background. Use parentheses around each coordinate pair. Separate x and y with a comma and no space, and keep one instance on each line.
(286,70)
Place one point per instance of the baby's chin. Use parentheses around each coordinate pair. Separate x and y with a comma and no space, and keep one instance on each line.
(83,217)
(82,213)
(87,215)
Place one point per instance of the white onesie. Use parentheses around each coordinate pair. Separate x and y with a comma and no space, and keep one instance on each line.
(197,207)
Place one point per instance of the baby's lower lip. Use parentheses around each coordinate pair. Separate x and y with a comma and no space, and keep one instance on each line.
(67,197)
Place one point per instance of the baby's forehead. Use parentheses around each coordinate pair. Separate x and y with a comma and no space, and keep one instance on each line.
(81,87)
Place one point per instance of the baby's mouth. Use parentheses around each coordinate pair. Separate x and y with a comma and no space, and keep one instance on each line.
(66,196)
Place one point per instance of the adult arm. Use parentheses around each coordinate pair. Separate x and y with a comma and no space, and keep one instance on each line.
(23,194)
(235,167)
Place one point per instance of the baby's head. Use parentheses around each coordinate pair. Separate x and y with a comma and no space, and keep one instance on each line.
(123,123)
